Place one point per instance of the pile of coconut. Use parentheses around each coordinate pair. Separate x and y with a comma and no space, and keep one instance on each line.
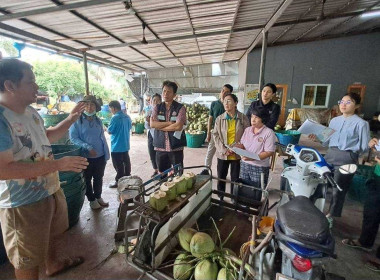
(169,191)
(203,260)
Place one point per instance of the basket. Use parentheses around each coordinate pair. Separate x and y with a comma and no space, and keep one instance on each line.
(358,189)
(195,140)
(52,120)
(286,137)
(139,128)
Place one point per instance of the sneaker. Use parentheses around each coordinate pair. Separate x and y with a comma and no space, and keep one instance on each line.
(95,205)
(374,266)
(113,185)
(102,202)
(154,174)
(204,172)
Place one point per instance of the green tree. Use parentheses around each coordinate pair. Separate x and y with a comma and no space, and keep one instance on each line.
(6,46)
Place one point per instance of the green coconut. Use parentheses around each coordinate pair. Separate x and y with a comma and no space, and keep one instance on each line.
(182,269)
(184,236)
(158,200)
(180,184)
(190,179)
(225,275)
(206,270)
(170,189)
(201,243)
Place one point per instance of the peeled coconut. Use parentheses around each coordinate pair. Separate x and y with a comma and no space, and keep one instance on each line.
(206,270)
(201,243)
(184,236)
(190,179)
(158,200)
(225,275)
(170,190)
(182,269)
(180,184)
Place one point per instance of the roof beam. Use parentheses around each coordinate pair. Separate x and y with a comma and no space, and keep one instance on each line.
(276,15)
(309,10)
(155,34)
(75,13)
(232,27)
(71,6)
(59,45)
(349,19)
(190,55)
(319,23)
(192,27)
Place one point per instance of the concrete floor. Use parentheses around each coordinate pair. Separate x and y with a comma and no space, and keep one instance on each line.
(93,236)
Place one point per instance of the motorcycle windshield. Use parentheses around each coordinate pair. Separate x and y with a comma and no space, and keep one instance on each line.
(304,252)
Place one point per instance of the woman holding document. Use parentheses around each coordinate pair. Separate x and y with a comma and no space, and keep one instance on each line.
(349,140)
(228,129)
(258,140)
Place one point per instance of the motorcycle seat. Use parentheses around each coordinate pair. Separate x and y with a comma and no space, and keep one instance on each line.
(299,219)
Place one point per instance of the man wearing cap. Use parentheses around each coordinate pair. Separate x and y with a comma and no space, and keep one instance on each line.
(33,208)
(88,133)
(120,130)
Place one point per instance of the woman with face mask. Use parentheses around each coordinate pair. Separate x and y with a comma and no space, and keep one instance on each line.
(228,129)
(88,133)
(349,140)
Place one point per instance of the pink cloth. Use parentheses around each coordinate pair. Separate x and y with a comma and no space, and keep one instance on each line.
(263,141)
(181,118)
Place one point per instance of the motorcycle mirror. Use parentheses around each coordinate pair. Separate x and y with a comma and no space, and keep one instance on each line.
(348,168)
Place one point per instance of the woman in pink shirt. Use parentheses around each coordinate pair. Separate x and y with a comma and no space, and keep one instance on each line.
(260,140)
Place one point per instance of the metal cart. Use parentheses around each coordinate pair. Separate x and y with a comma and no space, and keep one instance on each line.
(156,231)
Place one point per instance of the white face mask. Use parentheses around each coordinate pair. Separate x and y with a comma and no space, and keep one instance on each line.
(89,114)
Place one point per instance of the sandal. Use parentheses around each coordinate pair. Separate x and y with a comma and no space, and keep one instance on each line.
(68,263)
(355,244)
(374,266)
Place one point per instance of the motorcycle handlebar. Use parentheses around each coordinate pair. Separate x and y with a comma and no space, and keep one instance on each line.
(331,180)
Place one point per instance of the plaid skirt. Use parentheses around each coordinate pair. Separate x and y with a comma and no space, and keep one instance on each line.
(251,175)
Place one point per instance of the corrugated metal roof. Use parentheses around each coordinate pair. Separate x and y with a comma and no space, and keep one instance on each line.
(179,32)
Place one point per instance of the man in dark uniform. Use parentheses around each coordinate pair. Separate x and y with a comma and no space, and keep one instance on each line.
(267,104)
(168,119)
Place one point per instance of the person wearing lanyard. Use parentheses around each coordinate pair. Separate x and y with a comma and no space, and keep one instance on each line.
(349,140)
(87,132)
(228,129)
(260,140)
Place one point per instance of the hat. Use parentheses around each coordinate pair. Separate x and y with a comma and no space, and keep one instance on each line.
(261,113)
(91,98)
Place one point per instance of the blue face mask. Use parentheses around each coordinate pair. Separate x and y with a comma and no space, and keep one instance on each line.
(89,114)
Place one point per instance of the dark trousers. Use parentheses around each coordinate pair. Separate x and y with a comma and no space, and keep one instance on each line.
(338,197)
(165,160)
(122,164)
(93,175)
(222,170)
(371,215)
(152,152)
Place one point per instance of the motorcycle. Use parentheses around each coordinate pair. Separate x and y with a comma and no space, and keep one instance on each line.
(302,230)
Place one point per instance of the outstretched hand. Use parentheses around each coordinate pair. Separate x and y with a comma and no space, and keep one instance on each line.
(77,111)
(72,163)
(373,142)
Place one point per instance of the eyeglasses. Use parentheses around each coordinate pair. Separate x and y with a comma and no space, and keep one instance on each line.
(348,102)
(227,101)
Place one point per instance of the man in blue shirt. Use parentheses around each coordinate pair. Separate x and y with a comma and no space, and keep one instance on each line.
(120,130)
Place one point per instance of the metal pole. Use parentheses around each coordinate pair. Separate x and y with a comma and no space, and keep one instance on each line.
(86,73)
(263,57)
